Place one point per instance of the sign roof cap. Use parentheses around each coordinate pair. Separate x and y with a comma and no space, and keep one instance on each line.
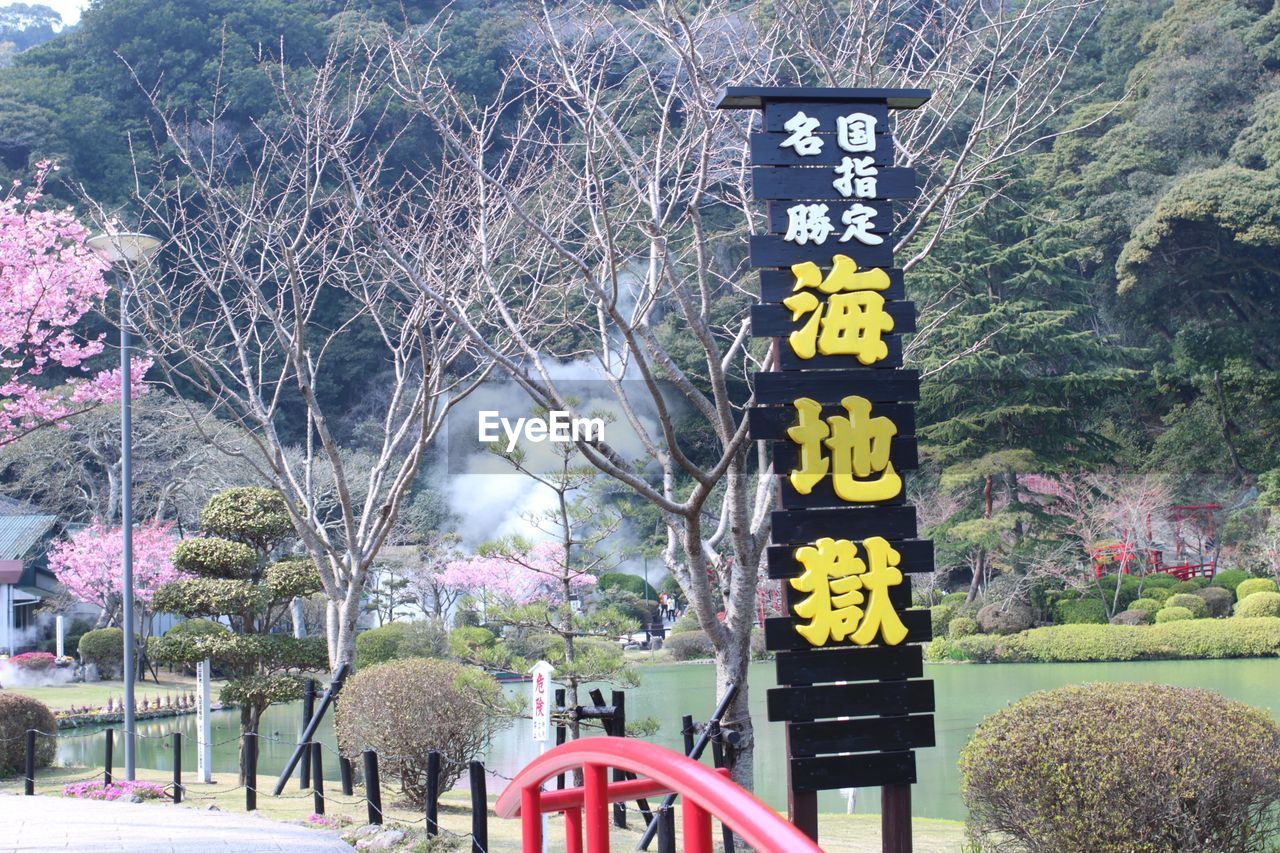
(754,97)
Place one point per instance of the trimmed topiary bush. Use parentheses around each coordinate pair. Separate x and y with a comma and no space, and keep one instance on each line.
(1230,579)
(689,645)
(955,599)
(1158,593)
(1133,617)
(197,628)
(1259,604)
(1189,586)
(211,557)
(1173,614)
(17,714)
(1254,585)
(1149,605)
(962,626)
(421,639)
(1092,767)
(1158,580)
(1085,611)
(940,617)
(406,708)
(103,648)
(1007,617)
(687,622)
(1219,600)
(1199,609)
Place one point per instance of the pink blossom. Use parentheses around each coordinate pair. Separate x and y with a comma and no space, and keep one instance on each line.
(534,575)
(49,279)
(90,563)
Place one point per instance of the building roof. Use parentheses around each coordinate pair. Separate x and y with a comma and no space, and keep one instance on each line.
(20,533)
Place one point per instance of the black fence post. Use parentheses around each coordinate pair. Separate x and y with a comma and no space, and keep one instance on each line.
(372,788)
(29,771)
(308,709)
(686,729)
(561,732)
(717,760)
(106,773)
(619,729)
(667,830)
(317,779)
(479,809)
(177,767)
(250,771)
(433,793)
(344,770)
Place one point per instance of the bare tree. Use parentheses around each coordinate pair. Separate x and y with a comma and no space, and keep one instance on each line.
(630,195)
(261,247)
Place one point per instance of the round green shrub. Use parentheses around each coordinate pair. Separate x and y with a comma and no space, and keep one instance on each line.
(1189,586)
(689,645)
(940,617)
(19,713)
(251,514)
(1199,609)
(1133,617)
(197,628)
(1254,585)
(424,638)
(1158,580)
(1150,605)
(1219,600)
(103,648)
(293,577)
(1007,617)
(211,557)
(687,622)
(1085,611)
(1259,604)
(1173,614)
(1229,579)
(1075,769)
(962,626)
(954,598)
(379,645)
(631,583)
(403,709)
(1159,593)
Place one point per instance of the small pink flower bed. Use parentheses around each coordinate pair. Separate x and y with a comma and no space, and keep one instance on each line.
(121,790)
(33,661)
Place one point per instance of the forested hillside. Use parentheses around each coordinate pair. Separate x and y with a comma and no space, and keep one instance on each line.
(1114,311)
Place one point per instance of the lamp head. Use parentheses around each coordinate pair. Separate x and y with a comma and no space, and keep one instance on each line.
(123,247)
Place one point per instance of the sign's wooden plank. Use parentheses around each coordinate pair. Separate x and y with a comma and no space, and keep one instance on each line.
(778,113)
(903,452)
(868,699)
(773,320)
(767,150)
(917,557)
(881,222)
(875,734)
(765,423)
(803,183)
(832,386)
(823,496)
(856,663)
(829,772)
(780,635)
(808,525)
(769,250)
(788,360)
(777,285)
(899,595)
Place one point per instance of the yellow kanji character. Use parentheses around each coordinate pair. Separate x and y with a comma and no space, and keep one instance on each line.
(859,446)
(847,596)
(809,434)
(851,321)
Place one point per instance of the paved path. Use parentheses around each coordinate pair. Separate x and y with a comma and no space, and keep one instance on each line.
(56,823)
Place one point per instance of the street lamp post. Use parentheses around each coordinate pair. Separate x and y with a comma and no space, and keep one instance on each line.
(127,249)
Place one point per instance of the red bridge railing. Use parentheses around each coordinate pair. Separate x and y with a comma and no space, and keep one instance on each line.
(704,793)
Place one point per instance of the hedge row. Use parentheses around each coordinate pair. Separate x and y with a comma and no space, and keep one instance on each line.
(1192,638)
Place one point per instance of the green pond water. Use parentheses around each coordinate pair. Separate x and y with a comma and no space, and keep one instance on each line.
(964,693)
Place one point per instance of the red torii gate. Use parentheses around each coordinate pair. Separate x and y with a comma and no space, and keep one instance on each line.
(705,794)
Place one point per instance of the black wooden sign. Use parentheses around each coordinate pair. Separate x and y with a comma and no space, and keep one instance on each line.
(836,413)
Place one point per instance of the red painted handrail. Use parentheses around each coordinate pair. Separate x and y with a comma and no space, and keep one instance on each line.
(705,794)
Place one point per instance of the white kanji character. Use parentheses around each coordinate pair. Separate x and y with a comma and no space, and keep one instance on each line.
(865,173)
(856,132)
(858,218)
(808,223)
(802,139)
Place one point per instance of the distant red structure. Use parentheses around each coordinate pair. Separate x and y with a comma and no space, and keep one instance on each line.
(1197,517)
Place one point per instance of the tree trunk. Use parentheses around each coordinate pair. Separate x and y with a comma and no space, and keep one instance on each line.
(344,649)
(731,667)
(250,718)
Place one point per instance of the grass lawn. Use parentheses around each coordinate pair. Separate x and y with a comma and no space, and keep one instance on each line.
(95,693)
(839,833)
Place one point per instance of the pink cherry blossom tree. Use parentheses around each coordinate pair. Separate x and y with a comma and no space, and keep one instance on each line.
(88,565)
(49,280)
(516,576)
